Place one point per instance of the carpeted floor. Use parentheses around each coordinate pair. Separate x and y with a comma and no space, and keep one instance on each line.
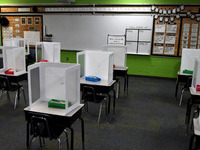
(147,119)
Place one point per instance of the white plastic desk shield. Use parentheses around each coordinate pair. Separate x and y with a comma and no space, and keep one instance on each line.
(187,58)
(119,55)
(18,42)
(48,81)
(97,63)
(13,57)
(49,51)
(196,74)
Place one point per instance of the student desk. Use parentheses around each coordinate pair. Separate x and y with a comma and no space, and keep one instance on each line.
(62,119)
(101,87)
(122,72)
(15,79)
(195,99)
(182,77)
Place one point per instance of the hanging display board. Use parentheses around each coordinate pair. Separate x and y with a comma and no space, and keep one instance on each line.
(29,27)
(166,38)
(138,41)
(190,34)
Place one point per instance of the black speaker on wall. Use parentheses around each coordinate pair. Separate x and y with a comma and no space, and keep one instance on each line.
(4,21)
(35,9)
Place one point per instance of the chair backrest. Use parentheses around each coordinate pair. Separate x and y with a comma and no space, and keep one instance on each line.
(89,94)
(5,83)
(42,126)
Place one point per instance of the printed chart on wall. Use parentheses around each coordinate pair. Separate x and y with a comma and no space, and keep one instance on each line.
(28,27)
(138,40)
(166,38)
(190,35)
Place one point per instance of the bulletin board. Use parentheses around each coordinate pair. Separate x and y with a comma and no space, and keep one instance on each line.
(190,34)
(29,27)
(166,38)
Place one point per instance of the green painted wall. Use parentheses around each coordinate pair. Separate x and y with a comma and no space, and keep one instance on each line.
(103,1)
(141,65)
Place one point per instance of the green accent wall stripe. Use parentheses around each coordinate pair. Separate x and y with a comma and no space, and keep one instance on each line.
(103,1)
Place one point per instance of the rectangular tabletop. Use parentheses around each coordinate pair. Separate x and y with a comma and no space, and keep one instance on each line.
(42,107)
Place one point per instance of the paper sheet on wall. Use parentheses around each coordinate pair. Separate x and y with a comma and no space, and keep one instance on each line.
(158,50)
(160,28)
(32,36)
(170,40)
(171,28)
(169,50)
(131,35)
(131,47)
(144,48)
(116,40)
(159,39)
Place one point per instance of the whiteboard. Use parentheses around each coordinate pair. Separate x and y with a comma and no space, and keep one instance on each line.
(89,32)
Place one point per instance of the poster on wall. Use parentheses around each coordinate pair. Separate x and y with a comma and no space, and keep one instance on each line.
(169,49)
(7,32)
(158,49)
(160,27)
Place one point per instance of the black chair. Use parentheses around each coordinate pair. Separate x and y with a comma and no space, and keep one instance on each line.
(185,88)
(89,95)
(195,138)
(42,126)
(7,87)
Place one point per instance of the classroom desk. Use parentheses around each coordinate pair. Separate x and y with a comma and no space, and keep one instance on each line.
(182,77)
(16,79)
(195,99)
(122,72)
(101,87)
(60,117)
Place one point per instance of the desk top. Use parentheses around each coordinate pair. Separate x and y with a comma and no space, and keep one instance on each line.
(121,68)
(184,74)
(17,74)
(192,92)
(42,107)
(100,83)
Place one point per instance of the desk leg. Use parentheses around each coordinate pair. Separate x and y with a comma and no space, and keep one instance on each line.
(72,138)
(114,102)
(187,110)
(108,103)
(27,134)
(82,129)
(176,90)
(127,85)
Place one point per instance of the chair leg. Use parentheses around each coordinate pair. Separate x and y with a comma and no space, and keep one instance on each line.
(181,98)
(106,107)
(100,112)
(24,95)
(8,96)
(67,141)
(15,103)
(118,88)
(191,142)
(32,140)
(58,143)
